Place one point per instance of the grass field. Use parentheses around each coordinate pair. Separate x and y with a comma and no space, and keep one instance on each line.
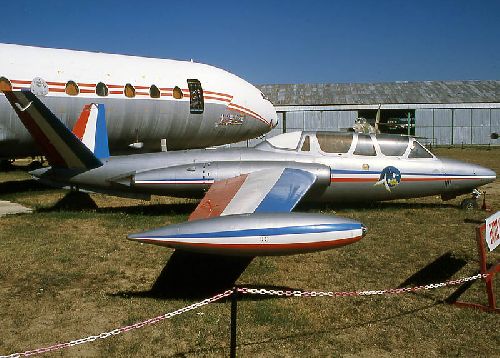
(67,274)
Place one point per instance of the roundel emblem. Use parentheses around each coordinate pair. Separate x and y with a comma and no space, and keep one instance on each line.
(389,177)
(39,87)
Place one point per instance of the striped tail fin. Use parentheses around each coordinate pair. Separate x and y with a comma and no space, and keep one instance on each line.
(61,147)
(91,130)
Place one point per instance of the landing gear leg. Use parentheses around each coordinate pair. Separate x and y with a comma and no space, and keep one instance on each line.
(471,203)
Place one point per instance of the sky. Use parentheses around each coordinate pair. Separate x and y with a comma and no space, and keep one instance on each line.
(270,42)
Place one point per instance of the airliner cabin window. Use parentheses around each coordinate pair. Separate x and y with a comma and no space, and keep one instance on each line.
(5,84)
(365,145)
(177,93)
(154,92)
(392,145)
(101,89)
(334,142)
(72,88)
(196,96)
(129,90)
(417,151)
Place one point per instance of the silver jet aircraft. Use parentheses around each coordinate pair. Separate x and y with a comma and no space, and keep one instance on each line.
(247,191)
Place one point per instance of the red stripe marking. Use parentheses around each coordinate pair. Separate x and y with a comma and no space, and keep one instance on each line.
(87,84)
(81,123)
(360,180)
(348,180)
(218,98)
(57,89)
(115,86)
(261,248)
(20,82)
(56,84)
(255,115)
(219,94)
(142,94)
(115,92)
(86,91)
(217,198)
(436,179)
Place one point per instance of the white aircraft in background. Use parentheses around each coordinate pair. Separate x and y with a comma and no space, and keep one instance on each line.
(151,104)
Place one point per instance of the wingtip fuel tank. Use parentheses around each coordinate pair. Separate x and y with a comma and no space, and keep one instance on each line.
(255,234)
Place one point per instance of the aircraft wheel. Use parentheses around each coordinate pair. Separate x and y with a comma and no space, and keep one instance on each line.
(469,204)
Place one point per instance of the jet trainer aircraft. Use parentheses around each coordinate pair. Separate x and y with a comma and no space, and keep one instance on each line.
(247,191)
(188,105)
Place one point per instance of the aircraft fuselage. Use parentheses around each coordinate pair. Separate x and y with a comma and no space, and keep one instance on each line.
(406,169)
(189,105)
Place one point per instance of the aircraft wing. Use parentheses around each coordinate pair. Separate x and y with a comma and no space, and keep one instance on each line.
(249,215)
(264,191)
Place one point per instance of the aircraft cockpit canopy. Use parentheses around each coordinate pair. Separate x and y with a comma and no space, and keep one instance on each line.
(348,144)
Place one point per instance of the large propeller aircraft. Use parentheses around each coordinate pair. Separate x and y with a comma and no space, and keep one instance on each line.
(248,193)
(152,104)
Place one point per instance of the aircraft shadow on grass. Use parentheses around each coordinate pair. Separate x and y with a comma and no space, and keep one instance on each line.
(22,186)
(440,270)
(196,276)
(378,205)
(80,201)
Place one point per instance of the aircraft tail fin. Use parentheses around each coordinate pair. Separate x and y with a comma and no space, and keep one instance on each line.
(91,129)
(61,147)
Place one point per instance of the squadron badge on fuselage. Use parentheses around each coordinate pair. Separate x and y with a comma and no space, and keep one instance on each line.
(390,177)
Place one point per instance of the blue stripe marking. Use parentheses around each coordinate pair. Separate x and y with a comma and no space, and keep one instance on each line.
(345,171)
(292,185)
(289,230)
(101,149)
(189,180)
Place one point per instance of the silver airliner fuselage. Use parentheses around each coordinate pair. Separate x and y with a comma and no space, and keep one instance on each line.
(188,105)
(348,166)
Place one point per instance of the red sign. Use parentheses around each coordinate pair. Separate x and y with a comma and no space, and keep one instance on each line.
(492,233)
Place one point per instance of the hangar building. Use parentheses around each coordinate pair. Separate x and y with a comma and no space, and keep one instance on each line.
(442,112)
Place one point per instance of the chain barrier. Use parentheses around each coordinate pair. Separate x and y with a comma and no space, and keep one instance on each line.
(243,290)
(391,291)
(117,331)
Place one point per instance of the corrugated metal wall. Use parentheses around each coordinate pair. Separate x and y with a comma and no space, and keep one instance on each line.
(435,126)
(458,126)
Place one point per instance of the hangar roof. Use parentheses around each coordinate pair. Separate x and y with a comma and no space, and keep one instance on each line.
(432,92)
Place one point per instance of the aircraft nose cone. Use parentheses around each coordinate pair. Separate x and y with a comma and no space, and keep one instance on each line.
(488,174)
(481,175)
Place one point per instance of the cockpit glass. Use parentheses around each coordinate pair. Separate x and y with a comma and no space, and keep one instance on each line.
(334,142)
(418,151)
(391,145)
(364,145)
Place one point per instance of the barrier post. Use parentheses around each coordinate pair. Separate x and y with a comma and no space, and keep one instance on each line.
(234,314)
(490,273)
